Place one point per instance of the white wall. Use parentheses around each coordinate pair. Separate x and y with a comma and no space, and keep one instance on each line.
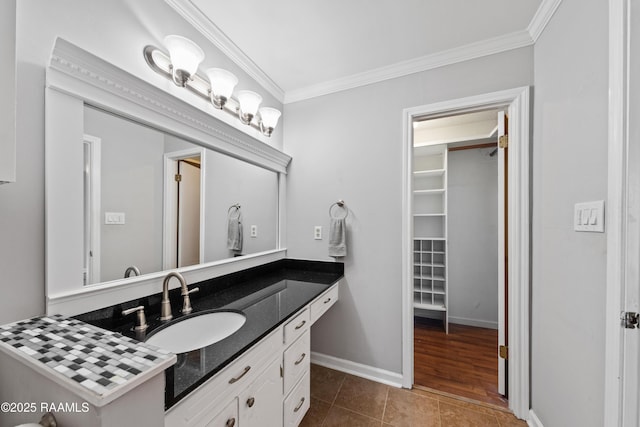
(472,237)
(116,31)
(569,166)
(348,145)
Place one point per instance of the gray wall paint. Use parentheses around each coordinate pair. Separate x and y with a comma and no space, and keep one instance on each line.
(91,25)
(8,90)
(131,182)
(348,145)
(569,166)
(472,216)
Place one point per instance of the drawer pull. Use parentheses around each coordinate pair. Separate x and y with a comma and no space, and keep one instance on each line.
(301,324)
(297,408)
(230,422)
(251,401)
(299,361)
(236,379)
(327,300)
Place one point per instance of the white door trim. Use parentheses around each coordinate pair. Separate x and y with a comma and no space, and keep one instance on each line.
(517,101)
(616,217)
(170,210)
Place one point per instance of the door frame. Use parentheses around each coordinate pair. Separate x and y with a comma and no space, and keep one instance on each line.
(518,105)
(617,217)
(169,206)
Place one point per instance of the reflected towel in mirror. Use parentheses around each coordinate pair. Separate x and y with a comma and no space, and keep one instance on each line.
(234,234)
(337,237)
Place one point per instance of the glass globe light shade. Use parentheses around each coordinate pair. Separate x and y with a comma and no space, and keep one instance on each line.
(185,57)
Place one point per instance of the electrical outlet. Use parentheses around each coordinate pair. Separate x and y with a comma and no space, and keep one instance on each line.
(114,218)
(317,232)
(254,231)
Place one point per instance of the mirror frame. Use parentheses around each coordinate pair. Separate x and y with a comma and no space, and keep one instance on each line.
(75,78)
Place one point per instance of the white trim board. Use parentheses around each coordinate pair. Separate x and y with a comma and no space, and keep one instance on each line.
(518,39)
(428,62)
(533,420)
(203,24)
(358,369)
(518,102)
(617,210)
(542,17)
(479,323)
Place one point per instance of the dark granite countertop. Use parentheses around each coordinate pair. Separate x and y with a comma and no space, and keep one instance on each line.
(268,295)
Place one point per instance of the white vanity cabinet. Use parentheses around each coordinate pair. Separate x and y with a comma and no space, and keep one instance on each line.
(269,385)
(260,402)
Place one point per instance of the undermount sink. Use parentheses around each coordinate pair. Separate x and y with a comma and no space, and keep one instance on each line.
(196,331)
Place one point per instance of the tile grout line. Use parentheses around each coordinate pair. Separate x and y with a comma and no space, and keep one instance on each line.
(384,410)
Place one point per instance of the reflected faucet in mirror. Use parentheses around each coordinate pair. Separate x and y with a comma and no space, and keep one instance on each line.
(165,308)
(132,269)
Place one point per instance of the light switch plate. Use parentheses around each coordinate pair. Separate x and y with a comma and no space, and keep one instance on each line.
(589,216)
(114,218)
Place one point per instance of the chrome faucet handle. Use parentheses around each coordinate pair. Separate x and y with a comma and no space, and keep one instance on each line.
(186,301)
(141,320)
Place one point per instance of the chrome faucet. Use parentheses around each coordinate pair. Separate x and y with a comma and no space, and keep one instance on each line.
(165,305)
(133,269)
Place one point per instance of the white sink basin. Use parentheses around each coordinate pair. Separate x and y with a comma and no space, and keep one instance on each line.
(197,331)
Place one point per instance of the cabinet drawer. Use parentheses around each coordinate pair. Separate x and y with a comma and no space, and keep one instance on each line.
(296,327)
(297,403)
(324,302)
(228,417)
(296,361)
(203,403)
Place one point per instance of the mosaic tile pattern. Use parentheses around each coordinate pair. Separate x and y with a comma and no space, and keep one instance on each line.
(97,359)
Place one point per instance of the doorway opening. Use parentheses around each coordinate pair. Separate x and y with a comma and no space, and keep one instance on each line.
(183,208)
(456,222)
(516,240)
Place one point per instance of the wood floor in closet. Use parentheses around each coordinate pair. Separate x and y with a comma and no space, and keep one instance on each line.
(462,362)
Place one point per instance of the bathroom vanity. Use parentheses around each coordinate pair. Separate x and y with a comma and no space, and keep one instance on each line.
(258,375)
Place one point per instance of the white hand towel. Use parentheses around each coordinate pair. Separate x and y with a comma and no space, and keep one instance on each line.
(234,234)
(337,237)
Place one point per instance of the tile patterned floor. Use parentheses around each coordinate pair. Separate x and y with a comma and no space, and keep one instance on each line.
(343,400)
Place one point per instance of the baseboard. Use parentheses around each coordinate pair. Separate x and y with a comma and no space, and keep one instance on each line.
(369,372)
(533,420)
(473,322)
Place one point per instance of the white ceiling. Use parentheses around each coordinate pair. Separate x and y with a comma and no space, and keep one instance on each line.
(305,44)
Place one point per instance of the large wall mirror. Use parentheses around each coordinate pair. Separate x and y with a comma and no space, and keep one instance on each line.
(139,182)
(154,201)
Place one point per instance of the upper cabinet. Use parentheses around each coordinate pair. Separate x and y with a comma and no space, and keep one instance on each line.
(8,91)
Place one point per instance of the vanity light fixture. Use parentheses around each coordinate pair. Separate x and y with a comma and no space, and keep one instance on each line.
(268,119)
(181,66)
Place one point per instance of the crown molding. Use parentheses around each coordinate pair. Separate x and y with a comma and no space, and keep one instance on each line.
(463,53)
(542,17)
(200,22)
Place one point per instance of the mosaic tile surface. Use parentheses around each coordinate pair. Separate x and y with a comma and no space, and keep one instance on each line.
(97,359)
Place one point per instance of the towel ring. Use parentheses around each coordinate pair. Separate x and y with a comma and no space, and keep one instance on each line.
(340,204)
(237,209)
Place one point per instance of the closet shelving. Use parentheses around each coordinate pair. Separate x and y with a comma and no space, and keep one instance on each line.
(430,225)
